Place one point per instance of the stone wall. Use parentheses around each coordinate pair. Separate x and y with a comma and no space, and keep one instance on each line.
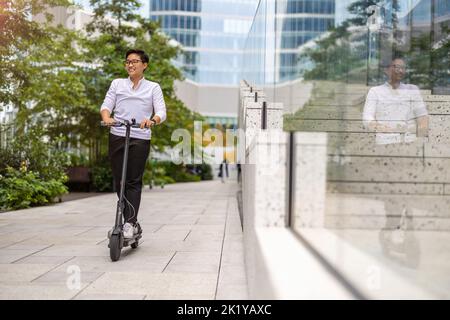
(303,188)
(278,266)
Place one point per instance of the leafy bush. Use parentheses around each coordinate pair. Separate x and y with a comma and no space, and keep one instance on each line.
(155,174)
(183,176)
(8,158)
(179,173)
(157,180)
(78,160)
(164,180)
(40,156)
(166,172)
(21,189)
(102,177)
(32,170)
(204,170)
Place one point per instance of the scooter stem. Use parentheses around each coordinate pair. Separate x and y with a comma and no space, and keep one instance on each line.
(121,206)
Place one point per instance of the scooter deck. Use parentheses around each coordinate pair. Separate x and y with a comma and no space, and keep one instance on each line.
(127,242)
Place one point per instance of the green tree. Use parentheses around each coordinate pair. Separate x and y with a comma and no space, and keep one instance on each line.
(40,76)
(441,57)
(16,32)
(342,53)
(40,79)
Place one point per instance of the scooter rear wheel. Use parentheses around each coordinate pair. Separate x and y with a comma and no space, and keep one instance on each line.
(135,244)
(114,247)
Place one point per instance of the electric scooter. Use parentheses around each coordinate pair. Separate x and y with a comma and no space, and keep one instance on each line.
(116,238)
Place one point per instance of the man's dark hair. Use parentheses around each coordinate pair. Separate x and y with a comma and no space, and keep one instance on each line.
(141,53)
(387,61)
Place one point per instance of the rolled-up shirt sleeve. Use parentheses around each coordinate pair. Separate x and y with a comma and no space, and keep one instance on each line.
(418,105)
(159,105)
(370,108)
(110,98)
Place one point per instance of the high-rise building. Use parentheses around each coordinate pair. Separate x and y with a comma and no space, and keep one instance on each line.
(300,21)
(212,33)
(423,15)
(286,27)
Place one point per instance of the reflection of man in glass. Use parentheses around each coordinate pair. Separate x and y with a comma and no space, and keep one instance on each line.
(395,110)
(397,113)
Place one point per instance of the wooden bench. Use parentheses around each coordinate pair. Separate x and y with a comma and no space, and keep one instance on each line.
(79,178)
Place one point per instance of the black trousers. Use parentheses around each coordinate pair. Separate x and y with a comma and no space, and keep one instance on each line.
(137,157)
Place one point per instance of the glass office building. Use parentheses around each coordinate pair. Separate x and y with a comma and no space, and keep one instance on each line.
(302,22)
(283,28)
(366,105)
(212,33)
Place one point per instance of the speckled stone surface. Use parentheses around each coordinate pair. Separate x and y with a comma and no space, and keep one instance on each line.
(264,188)
(310,167)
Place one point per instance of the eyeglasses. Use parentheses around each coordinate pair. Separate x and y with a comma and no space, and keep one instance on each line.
(398,67)
(133,62)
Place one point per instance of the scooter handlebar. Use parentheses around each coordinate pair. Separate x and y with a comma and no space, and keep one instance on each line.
(132,124)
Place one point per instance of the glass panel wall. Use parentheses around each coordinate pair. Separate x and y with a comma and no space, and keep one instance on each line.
(365,87)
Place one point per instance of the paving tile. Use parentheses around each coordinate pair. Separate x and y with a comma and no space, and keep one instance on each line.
(232,292)
(201,245)
(13,237)
(4,258)
(83,296)
(25,246)
(180,297)
(61,278)
(176,227)
(196,236)
(178,257)
(138,261)
(185,219)
(168,234)
(31,291)
(74,250)
(22,273)
(194,262)
(54,261)
(211,220)
(170,284)
(232,275)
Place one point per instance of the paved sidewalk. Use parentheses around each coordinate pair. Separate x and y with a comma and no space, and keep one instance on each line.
(191,248)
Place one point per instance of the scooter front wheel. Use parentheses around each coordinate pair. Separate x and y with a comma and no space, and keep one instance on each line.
(114,247)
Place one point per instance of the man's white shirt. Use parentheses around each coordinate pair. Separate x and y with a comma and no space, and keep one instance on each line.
(138,103)
(394,108)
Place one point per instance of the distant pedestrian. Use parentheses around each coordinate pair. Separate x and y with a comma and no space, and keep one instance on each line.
(223,169)
(238,166)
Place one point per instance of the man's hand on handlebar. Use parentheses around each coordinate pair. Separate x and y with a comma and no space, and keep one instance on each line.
(147,123)
(109,121)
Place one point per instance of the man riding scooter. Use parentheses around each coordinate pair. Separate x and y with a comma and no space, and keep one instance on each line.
(132,98)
